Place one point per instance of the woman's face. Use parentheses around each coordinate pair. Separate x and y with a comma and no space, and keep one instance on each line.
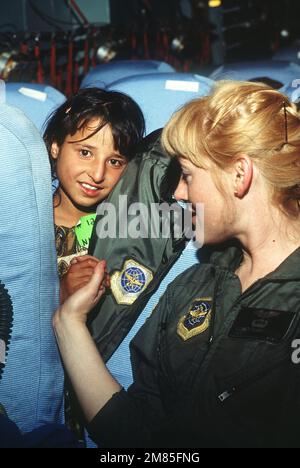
(198,187)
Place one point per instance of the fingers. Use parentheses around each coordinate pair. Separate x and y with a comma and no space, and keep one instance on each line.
(86,297)
(80,272)
(93,261)
(83,281)
(97,281)
(107,280)
(81,258)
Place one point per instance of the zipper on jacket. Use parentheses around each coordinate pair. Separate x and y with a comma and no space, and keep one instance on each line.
(227,394)
(238,388)
(213,317)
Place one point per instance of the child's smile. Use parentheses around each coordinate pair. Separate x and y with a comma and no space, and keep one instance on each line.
(88,168)
(90,190)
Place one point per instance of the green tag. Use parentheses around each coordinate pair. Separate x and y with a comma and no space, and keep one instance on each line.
(83,230)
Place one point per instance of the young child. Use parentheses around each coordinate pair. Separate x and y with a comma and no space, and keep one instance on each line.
(90,139)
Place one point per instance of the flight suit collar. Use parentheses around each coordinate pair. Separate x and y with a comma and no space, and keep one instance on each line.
(230,256)
(289,269)
(227,256)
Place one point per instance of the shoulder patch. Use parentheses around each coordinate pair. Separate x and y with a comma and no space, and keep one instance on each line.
(127,285)
(197,320)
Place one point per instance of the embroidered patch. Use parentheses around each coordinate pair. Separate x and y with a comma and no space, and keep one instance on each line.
(128,284)
(197,320)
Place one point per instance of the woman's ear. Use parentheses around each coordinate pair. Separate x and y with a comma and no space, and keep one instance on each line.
(243,174)
(54,150)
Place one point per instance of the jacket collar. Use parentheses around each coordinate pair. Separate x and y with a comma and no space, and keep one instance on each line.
(229,256)
(289,269)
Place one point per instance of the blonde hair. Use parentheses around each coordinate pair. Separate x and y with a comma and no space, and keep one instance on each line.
(242,118)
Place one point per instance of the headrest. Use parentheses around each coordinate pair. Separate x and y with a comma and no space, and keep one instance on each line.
(103,75)
(159,95)
(37,101)
(273,70)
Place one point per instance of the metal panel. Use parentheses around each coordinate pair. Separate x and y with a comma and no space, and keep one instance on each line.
(50,15)
(47,15)
(95,11)
(13,18)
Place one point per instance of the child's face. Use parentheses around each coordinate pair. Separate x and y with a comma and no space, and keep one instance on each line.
(88,170)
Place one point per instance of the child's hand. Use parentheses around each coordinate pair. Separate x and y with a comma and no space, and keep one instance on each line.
(79,274)
(79,304)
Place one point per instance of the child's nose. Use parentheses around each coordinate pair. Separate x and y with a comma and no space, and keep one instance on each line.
(97,171)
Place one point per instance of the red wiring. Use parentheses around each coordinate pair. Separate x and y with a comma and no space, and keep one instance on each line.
(79,12)
(86,63)
(40,70)
(69,81)
(146,46)
(53,62)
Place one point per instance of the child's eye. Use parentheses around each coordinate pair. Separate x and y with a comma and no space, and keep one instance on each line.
(116,162)
(85,153)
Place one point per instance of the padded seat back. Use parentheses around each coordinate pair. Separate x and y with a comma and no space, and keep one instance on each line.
(31,388)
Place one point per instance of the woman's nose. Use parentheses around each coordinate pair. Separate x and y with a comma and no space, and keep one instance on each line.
(181,192)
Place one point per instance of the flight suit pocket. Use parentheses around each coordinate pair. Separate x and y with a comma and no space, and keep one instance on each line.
(262,324)
(257,340)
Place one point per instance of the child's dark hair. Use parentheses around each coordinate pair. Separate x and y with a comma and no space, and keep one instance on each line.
(113,108)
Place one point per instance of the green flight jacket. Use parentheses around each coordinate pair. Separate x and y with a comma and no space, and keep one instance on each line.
(214,367)
(136,265)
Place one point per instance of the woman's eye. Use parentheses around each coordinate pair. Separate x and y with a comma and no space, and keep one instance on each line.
(85,153)
(185,176)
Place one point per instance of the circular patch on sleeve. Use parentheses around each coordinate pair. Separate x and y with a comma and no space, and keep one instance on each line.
(128,284)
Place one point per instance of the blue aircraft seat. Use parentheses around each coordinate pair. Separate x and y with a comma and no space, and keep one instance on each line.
(31,388)
(279,71)
(35,100)
(103,75)
(160,95)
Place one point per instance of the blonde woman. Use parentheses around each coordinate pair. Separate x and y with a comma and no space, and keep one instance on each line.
(214,363)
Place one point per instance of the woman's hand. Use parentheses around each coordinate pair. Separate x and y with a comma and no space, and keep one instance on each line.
(79,304)
(91,381)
